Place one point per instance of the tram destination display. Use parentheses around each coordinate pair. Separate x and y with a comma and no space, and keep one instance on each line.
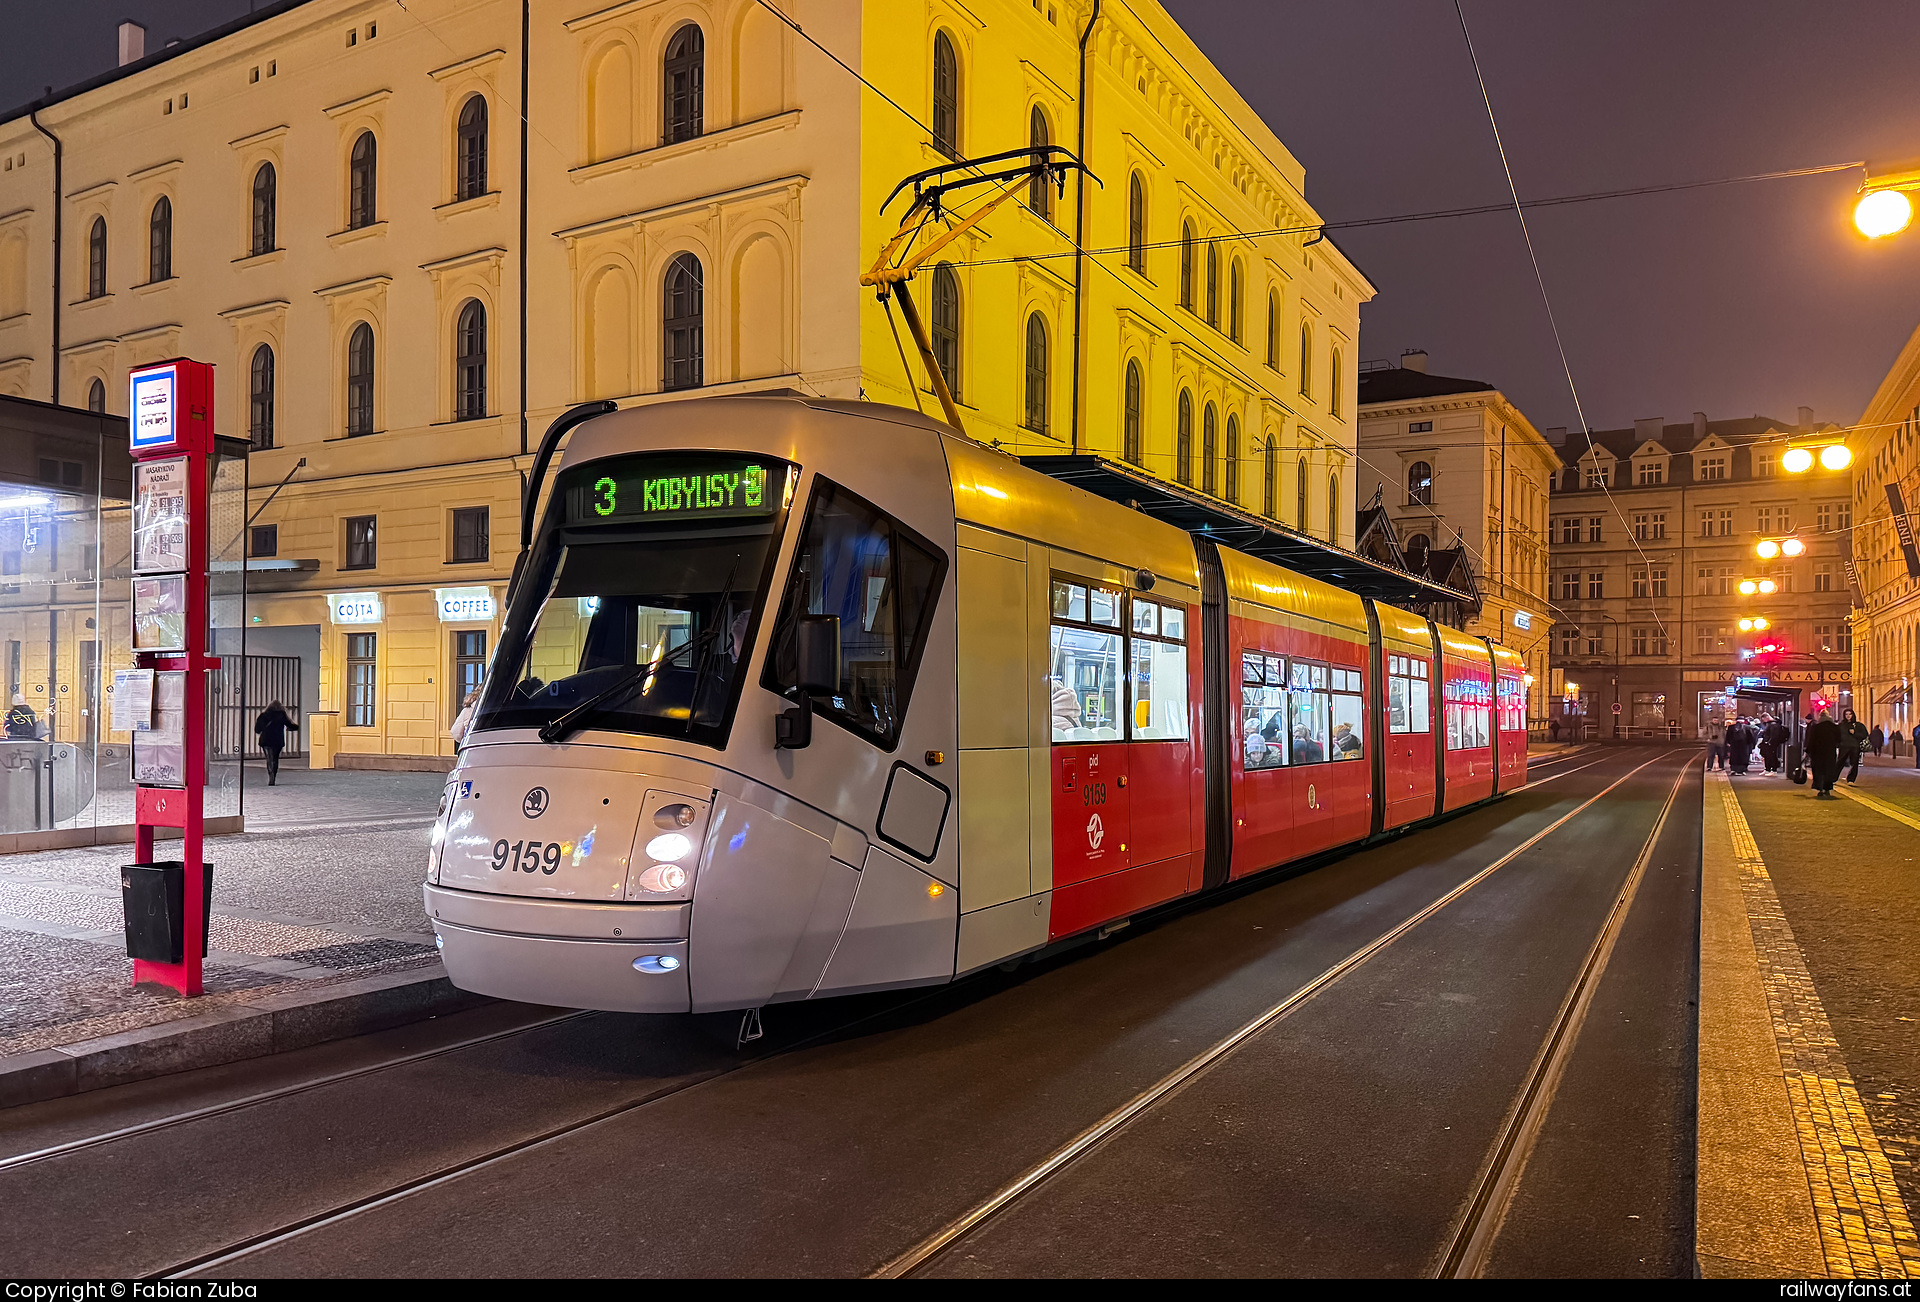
(644,489)
(160,516)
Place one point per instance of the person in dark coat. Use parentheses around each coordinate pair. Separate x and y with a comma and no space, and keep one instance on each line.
(21,723)
(1877,738)
(271,727)
(1824,740)
(1853,740)
(1740,745)
(1773,735)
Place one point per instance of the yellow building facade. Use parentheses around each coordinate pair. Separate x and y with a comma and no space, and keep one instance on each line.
(410,238)
(1886,613)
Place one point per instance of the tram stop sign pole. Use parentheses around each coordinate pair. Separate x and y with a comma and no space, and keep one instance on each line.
(171,432)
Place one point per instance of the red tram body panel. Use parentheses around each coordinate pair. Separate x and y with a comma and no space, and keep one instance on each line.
(1466,692)
(1510,715)
(1409,780)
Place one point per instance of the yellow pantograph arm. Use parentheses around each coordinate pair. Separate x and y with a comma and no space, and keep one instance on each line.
(882,274)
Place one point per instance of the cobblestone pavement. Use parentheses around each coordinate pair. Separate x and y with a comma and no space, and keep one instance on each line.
(1832,890)
(324,886)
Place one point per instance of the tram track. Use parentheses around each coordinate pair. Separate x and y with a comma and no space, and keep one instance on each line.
(1497,1181)
(292,1229)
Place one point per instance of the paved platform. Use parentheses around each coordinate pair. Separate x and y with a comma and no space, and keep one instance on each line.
(1810,1028)
(323,889)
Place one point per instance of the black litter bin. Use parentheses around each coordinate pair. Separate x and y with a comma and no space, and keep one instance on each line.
(154,896)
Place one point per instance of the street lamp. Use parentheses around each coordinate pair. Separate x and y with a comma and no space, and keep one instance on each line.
(1768,548)
(1882,212)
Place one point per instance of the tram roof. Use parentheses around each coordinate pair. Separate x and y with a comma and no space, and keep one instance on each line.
(1243,531)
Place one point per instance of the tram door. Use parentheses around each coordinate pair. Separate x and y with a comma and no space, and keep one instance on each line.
(1092,823)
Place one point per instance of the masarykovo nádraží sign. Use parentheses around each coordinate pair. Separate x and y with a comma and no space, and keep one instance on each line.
(355,608)
(464,605)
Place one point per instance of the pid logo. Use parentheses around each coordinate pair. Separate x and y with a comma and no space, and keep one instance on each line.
(1096,832)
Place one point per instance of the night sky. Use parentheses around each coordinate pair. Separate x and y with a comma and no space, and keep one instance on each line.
(1754,298)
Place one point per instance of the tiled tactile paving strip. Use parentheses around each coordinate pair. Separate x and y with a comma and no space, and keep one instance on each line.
(1865,1229)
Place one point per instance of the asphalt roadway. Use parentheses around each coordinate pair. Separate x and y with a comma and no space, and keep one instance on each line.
(1047,1121)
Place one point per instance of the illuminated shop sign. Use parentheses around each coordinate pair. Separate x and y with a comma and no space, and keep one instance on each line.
(1522,619)
(677,487)
(355,607)
(463,605)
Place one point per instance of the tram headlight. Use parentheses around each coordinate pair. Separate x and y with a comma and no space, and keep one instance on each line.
(670,846)
(663,879)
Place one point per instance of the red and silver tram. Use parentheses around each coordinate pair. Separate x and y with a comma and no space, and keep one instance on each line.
(798,698)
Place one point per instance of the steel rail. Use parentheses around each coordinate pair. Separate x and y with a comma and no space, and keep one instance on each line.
(1481,1220)
(1093,1137)
(268,1096)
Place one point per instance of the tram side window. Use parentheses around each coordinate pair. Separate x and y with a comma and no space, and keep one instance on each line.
(1159,659)
(1467,710)
(1349,715)
(1308,705)
(1086,662)
(1263,710)
(882,581)
(1409,706)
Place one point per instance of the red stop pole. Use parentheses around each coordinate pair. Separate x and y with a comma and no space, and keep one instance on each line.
(171,433)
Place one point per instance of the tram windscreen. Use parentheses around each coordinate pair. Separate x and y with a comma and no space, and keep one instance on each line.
(632,629)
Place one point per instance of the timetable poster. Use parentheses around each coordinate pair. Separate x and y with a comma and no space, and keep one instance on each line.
(159,754)
(160,613)
(160,516)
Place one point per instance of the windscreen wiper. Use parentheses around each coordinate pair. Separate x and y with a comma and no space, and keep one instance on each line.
(573,720)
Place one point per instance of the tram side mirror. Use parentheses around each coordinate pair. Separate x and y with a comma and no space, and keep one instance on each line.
(816,665)
(816,653)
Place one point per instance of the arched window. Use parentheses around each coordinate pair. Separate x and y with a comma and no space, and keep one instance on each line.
(1213,284)
(97,259)
(1039,190)
(683,321)
(1209,451)
(266,209)
(1233,459)
(360,380)
(946,96)
(362,167)
(1300,498)
(1420,484)
(1036,374)
(1131,423)
(1137,223)
(1236,279)
(1273,329)
(1333,509)
(1270,479)
(1306,360)
(946,326)
(682,80)
(1333,385)
(1183,440)
(470,362)
(97,396)
(260,397)
(1186,265)
(160,240)
(470,181)
(1417,547)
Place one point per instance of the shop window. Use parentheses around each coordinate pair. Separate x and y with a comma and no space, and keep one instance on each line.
(360,680)
(470,530)
(1409,693)
(469,664)
(362,553)
(882,581)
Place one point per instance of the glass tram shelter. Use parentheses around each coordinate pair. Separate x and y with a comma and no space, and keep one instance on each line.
(66,597)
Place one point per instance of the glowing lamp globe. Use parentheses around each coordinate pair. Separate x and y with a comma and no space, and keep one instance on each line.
(1836,456)
(1746,626)
(1760,623)
(1767,585)
(1748,587)
(1766,549)
(1797,461)
(1793,546)
(1882,212)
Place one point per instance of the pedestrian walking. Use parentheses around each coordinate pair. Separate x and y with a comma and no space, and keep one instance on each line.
(1772,733)
(271,728)
(464,720)
(1853,739)
(21,723)
(1876,739)
(1823,750)
(1716,744)
(1740,738)
(1553,729)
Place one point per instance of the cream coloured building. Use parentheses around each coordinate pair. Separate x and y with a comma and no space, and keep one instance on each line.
(1886,614)
(402,277)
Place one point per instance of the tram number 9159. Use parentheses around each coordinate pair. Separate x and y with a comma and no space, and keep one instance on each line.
(528,856)
(1093,793)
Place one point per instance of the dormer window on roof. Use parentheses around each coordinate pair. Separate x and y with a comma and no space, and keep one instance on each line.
(1650,464)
